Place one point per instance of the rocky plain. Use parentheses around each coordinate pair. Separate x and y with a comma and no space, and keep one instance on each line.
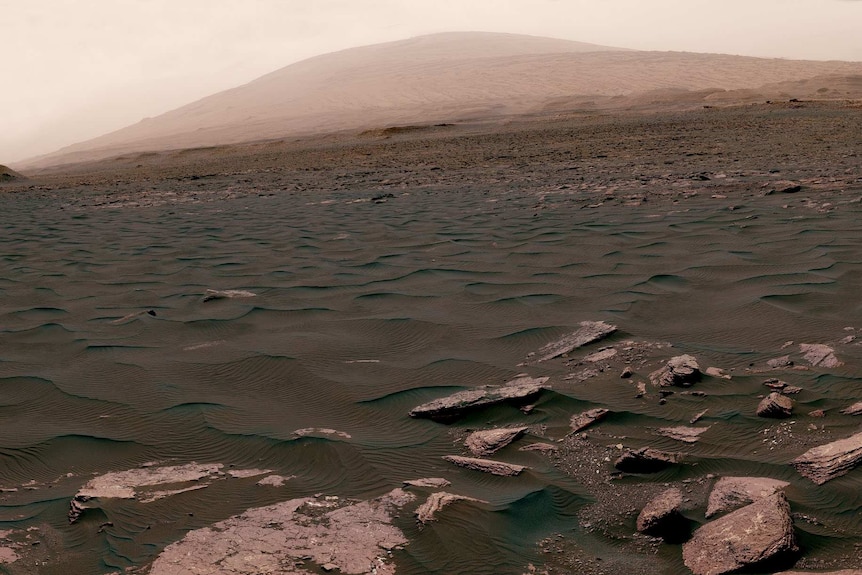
(572,342)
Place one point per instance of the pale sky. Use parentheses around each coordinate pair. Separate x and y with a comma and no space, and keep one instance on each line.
(75,69)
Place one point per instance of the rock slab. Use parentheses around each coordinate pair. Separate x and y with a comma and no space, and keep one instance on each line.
(683,433)
(488,441)
(437,501)
(775,405)
(589,332)
(661,516)
(825,462)
(583,420)
(745,538)
(681,370)
(486,465)
(516,391)
(730,493)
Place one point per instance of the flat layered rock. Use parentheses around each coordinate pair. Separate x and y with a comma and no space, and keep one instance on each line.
(730,493)
(681,370)
(431,482)
(589,332)
(775,405)
(584,420)
(819,355)
(855,409)
(645,460)
(330,533)
(214,294)
(661,517)
(486,465)
(488,441)
(780,362)
(820,464)
(682,433)
(540,447)
(437,501)
(745,538)
(516,391)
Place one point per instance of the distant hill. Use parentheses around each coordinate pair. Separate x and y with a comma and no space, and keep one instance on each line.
(9,175)
(453,77)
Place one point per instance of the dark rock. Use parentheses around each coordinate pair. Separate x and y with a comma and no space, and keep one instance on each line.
(587,418)
(661,517)
(627,373)
(825,462)
(775,405)
(756,534)
(855,409)
(487,441)
(645,460)
(486,465)
(589,332)
(729,493)
(516,391)
(682,370)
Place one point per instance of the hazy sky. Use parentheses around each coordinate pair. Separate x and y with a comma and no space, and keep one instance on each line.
(75,69)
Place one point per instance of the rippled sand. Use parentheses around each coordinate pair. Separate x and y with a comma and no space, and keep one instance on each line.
(351,311)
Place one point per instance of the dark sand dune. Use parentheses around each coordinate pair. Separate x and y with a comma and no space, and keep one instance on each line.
(455,77)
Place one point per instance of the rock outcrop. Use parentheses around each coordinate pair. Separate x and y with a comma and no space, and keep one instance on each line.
(825,462)
(589,332)
(437,501)
(730,493)
(516,391)
(645,460)
(681,370)
(819,355)
(775,405)
(488,441)
(748,537)
(583,420)
(486,465)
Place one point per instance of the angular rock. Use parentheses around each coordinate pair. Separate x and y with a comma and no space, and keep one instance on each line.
(589,332)
(540,447)
(587,418)
(779,362)
(661,517)
(488,441)
(855,409)
(819,355)
(434,482)
(601,355)
(820,464)
(698,416)
(516,391)
(775,405)
(352,537)
(681,370)
(747,537)
(729,493)
(437,501)
(684,434)
(486,465)
(717,372)
(275,480)
(645,460)
(213,294)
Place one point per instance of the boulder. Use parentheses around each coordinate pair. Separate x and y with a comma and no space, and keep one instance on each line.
(855,409)
(486,465)
(488,441)
(775,405)
(661,517)
(517,391)
(645,460)
(819,355)
(589,332)
(587,418)
(730,493)
(681,370)
(820,464)
(746,538)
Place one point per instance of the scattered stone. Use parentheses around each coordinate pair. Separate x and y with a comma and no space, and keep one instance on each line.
(133,483)
(847,340)
(213,294)
(321,431)
(516,391)
(817,413)
(627,372)
(601,355)
(436,502)
(698,417)
(587,418)
(775,405)
(540,447)
(430,482)
(134,315)
(684,434)
(855,409)
(661,517)
(274,480)
(488,441)
(747,537)
(589,332)
(717,372)
(819,355)
(641,386)
(352,537)
(791,390)
(486,465)
(645,460)
(779,362)
(775,384)
(681,371)
(730,493)
(825,462)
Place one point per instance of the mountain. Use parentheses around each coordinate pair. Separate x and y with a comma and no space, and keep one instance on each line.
(444,78)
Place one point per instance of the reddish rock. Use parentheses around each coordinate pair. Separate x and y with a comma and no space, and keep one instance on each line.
(645,460)
(729,493)
(775,405)
(820,464)
(682,370)
(488,441)
(486,465)
(587,418)
(589,332)
(661,517)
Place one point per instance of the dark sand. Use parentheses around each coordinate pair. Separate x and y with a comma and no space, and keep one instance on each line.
(485,242)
